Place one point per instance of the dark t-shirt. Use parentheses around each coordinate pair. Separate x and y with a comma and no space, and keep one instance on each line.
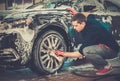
(94,34)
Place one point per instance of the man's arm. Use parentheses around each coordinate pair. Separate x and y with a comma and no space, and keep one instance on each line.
(69,54)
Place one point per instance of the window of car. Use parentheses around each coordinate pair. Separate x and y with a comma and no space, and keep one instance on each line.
(111,6)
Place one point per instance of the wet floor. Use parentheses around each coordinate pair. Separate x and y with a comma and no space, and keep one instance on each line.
(76,72)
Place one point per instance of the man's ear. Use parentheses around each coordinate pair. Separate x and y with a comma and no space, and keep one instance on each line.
(83,23)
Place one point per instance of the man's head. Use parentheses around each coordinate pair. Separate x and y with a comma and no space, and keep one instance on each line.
(79,22)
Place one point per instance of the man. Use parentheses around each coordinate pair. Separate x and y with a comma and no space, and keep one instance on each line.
(97,44)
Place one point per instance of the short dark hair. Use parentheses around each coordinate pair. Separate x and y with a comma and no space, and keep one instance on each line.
(79,17)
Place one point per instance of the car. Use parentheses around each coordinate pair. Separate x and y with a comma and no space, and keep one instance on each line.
(29,38)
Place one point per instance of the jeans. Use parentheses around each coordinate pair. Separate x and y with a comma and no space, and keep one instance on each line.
(97,55)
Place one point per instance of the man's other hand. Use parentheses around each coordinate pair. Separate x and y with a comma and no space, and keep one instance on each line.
(71,10)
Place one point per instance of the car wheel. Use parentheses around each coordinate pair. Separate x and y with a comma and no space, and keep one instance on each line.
(45,59)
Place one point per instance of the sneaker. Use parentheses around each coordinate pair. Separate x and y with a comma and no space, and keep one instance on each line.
(106,70)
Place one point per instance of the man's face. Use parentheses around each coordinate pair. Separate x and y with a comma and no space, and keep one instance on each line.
(78,26)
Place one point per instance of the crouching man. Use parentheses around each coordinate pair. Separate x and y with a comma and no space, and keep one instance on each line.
(98,44)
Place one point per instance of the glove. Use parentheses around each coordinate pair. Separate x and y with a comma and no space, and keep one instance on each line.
(71,10)
(60,53)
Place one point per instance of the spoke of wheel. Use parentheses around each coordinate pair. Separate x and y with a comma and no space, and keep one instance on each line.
(58,44)
(56,63)
(44,50)
(52,41)
(45,61)
(44,45)
(51,64)
(49,43)
(48,64)
(44,56)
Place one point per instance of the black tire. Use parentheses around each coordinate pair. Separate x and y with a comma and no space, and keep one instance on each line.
(44,59)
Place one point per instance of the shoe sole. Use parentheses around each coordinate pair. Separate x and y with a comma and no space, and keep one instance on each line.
(104,73)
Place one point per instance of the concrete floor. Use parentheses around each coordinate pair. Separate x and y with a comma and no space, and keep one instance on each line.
(68,73)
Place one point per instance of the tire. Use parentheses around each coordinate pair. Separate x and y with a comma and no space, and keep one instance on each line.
(44,59)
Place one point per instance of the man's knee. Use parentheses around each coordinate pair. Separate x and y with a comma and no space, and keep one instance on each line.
(88,50)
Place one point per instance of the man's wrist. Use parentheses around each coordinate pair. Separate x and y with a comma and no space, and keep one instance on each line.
(62,53)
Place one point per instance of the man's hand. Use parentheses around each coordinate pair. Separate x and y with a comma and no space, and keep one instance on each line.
(58,52)
(71,10)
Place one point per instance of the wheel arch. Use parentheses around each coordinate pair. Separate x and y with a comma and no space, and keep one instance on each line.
(56,27)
